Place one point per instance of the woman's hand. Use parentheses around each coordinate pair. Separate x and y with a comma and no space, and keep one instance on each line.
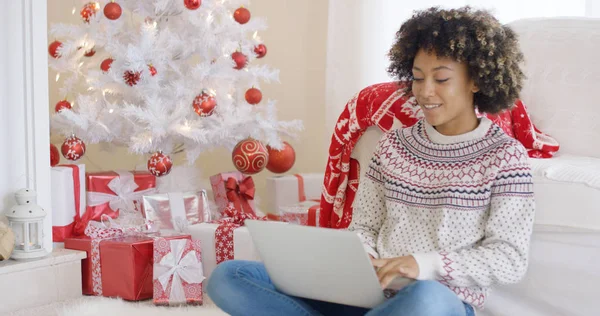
(390,268)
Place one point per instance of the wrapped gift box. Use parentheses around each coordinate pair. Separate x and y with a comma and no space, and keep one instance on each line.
(304,213)
(176,210)
(178,272)
(291,189)
(126,265)
(110,191)
(243,246)
(218,183)
(68,199)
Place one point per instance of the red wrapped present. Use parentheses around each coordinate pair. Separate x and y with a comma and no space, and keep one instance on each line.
(118,263)
(178,272)
(233,187)
(117,190)
(176,210)
(303,213)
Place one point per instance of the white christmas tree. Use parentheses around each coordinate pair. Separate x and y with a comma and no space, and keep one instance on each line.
(163,76)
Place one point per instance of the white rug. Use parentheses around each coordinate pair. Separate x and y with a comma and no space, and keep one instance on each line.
(101,306)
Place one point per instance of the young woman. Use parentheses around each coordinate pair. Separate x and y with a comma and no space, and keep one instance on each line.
(447,202)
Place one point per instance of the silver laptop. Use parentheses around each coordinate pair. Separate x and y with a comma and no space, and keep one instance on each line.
(323,264)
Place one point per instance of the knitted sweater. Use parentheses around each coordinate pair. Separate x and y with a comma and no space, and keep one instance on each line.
(462,205)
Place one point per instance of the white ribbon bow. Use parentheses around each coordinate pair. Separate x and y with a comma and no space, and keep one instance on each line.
(124,186)
(186,268)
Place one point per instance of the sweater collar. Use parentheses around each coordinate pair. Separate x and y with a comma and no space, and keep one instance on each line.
(479,132)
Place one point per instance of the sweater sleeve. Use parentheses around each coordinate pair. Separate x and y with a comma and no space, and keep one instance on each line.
(502,255)
(369,211)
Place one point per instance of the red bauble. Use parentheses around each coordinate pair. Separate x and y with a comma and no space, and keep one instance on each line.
(131,78)
(260,50)
(73,148)
(204,104)
(62,105)
(54,156)
(241,15)
(240,60)
(281,161)
(159,164)
(105,65)
(89,10)
(152,70)
(192,4)
(112,11)
(249,156)
(253,96)
(53,49)
(90,53)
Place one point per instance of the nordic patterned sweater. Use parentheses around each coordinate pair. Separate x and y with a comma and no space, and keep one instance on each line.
(462,205)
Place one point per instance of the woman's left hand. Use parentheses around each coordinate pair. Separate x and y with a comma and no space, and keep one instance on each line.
(390,268)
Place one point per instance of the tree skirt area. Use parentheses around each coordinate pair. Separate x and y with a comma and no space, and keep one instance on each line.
(101,306)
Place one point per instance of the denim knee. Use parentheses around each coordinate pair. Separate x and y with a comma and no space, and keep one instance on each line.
(219,279)
(435,298)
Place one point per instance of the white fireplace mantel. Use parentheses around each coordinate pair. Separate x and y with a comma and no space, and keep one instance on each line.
(24,120)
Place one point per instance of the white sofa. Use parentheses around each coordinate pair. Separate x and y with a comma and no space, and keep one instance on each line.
(561,91)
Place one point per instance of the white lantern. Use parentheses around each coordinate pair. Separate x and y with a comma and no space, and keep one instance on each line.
(26,220)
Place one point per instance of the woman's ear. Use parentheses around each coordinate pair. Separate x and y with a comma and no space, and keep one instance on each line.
(475,88)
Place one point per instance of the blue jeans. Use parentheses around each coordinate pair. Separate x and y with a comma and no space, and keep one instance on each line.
(244,288)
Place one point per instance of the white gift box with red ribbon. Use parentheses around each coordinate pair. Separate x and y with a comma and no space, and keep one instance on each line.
(68,198)
(291,189)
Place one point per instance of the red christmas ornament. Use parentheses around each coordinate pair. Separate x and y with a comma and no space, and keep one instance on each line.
(112,10)
(131,78)
(62,105)
(54,156)
(240,60)
(89,10)
(105,65)
(152,70)
(260,50)
(73,148)
(90,53)
(281,161)
(253,96)
(204,104)
(192,4)
(241,15)
(249,156)
(53,49)
(159,164)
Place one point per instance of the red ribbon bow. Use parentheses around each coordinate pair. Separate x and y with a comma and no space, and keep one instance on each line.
(240,193)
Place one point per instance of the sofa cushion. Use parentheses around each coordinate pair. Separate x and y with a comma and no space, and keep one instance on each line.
(567,191)
(570,169)
(561,89)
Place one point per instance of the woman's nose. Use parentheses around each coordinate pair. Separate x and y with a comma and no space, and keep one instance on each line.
(427,88)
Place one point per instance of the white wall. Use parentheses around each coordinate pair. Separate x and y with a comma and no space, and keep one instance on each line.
(360,33)
(24,136)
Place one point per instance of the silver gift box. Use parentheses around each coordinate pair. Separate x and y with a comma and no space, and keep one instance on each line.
(176,210)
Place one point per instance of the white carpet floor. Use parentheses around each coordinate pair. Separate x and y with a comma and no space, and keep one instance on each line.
(101,306)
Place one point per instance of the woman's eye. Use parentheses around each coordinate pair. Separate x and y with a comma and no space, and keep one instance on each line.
(417,79)
(442,80)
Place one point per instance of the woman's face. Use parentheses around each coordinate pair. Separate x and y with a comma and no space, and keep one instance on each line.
(444,92)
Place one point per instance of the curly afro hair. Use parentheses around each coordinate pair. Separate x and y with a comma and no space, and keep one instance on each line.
(474,37)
